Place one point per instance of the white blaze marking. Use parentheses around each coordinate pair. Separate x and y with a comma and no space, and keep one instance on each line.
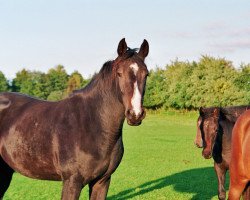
(134,67)
(136,98)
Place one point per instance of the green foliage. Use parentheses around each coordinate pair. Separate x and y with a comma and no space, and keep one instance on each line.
(75,81)
(177,80)
(54,85)
(57,79)
(243,81)
(155,91)
(32,83)
(209,82)
(3,83)
(212,84)
(19,80)
(55,96)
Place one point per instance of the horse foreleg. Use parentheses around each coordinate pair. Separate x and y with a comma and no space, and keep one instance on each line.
(221,176)
(99,189)
(236,188)
(72,188)
(5,177)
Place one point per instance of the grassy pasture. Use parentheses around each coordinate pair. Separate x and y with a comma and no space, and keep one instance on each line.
(160,162)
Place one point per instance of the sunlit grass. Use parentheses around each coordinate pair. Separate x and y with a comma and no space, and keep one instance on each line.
(160,162)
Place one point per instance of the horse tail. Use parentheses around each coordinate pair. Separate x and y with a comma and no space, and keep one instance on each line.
(4,103)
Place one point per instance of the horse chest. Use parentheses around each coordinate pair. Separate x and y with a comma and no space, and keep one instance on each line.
(90,164)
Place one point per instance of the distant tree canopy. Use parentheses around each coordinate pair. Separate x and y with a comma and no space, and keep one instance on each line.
(180,85)
(209,82)
(54,85)
(3,83)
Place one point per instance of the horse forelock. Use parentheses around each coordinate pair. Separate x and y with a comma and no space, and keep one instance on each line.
(209,112)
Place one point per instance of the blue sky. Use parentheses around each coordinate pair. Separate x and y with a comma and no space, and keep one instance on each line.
(82,35)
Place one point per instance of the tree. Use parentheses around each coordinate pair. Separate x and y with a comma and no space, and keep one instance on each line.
(3,83)
(21,77)
(177,76)
(211,83)
(75,81)
(55,96)
(40,85)
(31,83)
(243,81)
(155,94)
(57,79)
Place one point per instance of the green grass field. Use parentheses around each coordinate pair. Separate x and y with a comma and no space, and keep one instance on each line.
(160,162)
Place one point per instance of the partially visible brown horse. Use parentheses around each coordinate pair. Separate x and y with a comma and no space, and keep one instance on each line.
(77,140)
(240,161)
(214,131)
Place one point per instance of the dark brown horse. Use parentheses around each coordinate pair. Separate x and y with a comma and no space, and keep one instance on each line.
(214,131)
(240,162)
(77,140)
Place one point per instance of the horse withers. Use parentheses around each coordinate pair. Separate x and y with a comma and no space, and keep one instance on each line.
(240,161)
(77,140)
(214,132)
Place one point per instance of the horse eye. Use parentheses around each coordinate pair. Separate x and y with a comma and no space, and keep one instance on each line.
(119,74)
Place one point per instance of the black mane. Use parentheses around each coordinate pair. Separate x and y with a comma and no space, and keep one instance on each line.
(233,112)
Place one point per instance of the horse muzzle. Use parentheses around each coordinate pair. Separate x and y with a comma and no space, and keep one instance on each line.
(207,153)
(198,144)
(133,119)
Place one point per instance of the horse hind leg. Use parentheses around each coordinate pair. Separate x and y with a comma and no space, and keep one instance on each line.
(5,177)
(72,187)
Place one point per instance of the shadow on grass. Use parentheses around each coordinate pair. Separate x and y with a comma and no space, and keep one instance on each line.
(201,182)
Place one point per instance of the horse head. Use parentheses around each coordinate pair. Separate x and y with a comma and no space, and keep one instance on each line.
(209,127)
(131,73)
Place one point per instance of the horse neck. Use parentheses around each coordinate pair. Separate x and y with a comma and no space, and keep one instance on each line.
(233,113)
(226,121)
(103,99)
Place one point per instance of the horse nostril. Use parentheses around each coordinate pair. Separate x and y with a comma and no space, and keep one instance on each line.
(139,115)
(129,113)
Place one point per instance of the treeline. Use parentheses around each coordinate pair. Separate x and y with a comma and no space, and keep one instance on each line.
(190,85)
(180,85)
(53,85)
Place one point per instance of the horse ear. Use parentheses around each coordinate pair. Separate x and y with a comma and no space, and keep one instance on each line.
(122,47)
(216,111)
(201,110)
(144,49)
